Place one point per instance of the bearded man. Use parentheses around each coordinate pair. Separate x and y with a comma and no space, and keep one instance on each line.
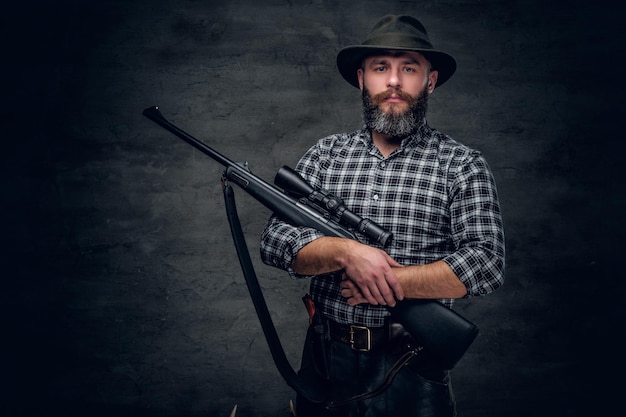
(438,198)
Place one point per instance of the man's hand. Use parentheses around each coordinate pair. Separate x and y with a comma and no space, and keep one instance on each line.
(370,271)
(351,292)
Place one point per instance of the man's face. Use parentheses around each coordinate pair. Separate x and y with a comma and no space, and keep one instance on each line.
(395,91)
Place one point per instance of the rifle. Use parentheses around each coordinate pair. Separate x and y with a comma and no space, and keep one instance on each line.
(445,334)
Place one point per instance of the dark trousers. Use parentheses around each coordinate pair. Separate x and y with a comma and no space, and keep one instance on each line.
(418,390)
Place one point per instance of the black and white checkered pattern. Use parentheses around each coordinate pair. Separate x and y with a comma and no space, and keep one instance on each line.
(436,196)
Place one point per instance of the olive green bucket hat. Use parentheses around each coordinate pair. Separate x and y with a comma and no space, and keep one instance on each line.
(395,32)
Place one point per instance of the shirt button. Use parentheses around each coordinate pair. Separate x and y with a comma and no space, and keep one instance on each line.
(383,164)
(375,197)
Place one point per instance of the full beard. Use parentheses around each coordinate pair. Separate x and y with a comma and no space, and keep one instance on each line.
(394,123)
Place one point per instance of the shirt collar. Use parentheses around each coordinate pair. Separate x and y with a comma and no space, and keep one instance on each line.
(413,140)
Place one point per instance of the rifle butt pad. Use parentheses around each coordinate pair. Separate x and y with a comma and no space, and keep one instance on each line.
(444,334)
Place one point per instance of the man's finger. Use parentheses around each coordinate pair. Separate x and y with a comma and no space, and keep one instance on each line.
(387,292)
(371,298)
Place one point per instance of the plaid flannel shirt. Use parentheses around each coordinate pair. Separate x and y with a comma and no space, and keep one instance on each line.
(436,196)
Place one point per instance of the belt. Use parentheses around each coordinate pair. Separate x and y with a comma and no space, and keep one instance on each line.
(363,338)
(393,337)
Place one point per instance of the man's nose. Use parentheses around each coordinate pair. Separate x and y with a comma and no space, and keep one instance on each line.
(394,78)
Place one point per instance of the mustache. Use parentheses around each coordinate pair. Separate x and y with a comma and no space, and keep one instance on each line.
(380,97)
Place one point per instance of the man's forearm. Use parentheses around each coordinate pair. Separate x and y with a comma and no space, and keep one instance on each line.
(323,255)
(435,280)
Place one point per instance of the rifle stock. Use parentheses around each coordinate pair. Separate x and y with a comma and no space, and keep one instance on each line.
(444,333)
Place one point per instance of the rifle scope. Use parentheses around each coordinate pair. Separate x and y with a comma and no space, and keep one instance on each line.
(293,183)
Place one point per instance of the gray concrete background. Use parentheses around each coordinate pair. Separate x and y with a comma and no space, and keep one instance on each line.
(121,292)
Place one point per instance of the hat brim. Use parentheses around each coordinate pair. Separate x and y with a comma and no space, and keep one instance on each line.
(350,59)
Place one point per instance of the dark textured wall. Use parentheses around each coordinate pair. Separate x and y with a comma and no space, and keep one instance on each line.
(121,292)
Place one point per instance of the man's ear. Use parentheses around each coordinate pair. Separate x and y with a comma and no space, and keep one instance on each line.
(359,74)
(432,80)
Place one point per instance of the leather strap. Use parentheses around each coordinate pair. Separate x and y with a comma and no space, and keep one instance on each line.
(276,348)
(386,382)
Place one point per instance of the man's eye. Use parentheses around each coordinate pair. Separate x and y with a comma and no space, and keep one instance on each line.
(379,69)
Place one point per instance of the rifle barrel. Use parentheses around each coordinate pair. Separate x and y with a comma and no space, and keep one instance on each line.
(155,115)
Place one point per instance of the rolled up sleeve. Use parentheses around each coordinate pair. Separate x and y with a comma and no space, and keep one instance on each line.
(281,242)
(477,228)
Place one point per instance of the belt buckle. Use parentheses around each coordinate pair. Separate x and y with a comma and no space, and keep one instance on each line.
(353,331)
